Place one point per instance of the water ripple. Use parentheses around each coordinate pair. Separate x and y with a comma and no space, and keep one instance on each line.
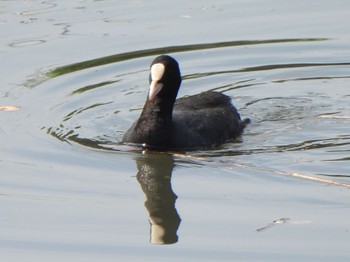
(95,101)
(169,49)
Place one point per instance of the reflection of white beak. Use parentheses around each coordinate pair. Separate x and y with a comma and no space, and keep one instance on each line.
(157,231)
(157,234)
(154,89)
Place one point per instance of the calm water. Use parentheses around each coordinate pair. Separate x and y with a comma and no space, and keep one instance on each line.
(78,73)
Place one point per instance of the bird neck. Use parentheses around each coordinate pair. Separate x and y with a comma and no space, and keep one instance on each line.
(158,112)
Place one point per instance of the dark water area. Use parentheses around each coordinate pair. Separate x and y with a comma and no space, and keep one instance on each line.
(75,74)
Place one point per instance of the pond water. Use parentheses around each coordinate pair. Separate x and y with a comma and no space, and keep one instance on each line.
(76,76)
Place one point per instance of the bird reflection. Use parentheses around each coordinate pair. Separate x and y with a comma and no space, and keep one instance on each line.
(154,176)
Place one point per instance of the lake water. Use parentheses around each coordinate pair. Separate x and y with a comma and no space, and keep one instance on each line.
(77,74)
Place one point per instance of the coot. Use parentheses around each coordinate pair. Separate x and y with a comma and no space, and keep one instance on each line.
(194,122)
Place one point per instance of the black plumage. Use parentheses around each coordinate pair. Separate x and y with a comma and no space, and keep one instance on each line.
(194,122)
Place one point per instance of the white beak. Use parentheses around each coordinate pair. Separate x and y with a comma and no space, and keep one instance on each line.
(157,71)
(154,89)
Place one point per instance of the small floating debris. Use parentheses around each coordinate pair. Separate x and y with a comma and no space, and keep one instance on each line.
(274,223)
(9,108)
(334,116)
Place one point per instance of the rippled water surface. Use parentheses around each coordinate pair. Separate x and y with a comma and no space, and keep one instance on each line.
(77,73)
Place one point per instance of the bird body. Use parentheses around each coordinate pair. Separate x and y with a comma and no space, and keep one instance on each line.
(194,122)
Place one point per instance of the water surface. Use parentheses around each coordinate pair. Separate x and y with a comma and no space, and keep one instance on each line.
(78,72)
